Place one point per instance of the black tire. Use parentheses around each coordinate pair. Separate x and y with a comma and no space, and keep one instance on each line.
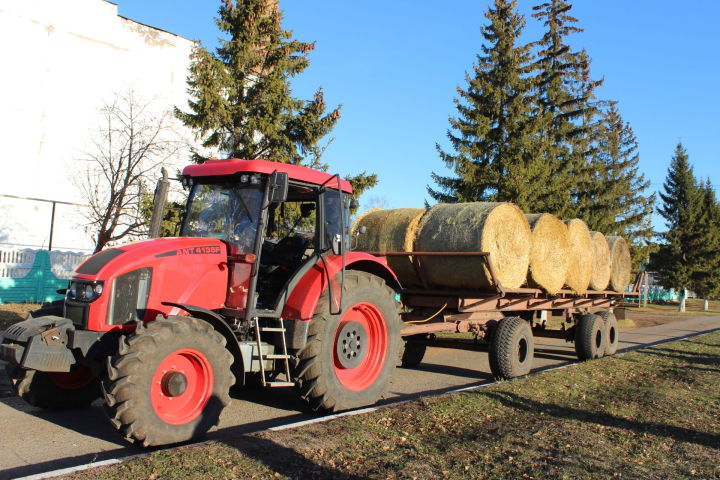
(320,365)
(139,391)
(54,391)
(612,332)
(412,353)
(590,337)
(55,308)
(512,349)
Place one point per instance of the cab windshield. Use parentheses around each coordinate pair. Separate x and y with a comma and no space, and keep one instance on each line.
(225,211)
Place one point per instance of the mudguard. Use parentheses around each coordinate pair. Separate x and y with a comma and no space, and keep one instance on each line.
(303,299)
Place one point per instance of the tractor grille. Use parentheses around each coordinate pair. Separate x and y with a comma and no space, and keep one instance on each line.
(129,297)
(77,312)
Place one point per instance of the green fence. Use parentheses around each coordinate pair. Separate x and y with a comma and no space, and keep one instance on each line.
(39,285)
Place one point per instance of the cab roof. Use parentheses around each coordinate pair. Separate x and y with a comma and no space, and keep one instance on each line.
(232,166)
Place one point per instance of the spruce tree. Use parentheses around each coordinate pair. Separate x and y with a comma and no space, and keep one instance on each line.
(706,275)
(567,106)
(495,156)
(241,99)
(612,199)
(677,259)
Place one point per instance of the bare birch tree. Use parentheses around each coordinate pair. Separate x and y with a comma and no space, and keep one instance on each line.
(133,142)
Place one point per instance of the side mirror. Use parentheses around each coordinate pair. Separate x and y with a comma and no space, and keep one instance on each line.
(278,183)
(354,204)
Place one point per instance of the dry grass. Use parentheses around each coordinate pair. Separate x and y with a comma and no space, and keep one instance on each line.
(580,269)
(621,263)
(11,313)
(602,262)
(498,228)
(391,231)
(550,252)
(645,414)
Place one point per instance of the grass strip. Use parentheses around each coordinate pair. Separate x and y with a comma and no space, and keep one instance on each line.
(651,413)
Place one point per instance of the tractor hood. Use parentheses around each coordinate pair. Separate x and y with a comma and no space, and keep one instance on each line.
(120,286)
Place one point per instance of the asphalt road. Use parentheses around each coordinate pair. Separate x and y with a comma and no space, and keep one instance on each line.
(35,441)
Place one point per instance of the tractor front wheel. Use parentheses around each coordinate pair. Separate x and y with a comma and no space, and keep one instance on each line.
(169,381)
(55,390)
(350,357)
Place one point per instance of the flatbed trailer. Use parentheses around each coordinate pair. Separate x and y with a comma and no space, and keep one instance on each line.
(504,320)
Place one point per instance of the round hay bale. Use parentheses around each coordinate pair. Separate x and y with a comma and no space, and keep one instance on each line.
(602,262)
(580,268)
(372,220)
(621,263)
(498,228)
(391,231)
(549,253)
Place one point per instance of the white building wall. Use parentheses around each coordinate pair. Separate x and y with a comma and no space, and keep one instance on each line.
(62,60)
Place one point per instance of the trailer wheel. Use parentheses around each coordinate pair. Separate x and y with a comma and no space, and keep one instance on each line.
(412,353)
(612,332)
(512,348)
(349,358)
(55,390)
(590,337)
(169,381)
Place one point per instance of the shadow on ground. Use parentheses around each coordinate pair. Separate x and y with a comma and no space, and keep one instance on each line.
(284,461)
(679,434)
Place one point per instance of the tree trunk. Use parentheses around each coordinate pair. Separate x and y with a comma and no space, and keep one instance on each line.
(705,305)
(682,300)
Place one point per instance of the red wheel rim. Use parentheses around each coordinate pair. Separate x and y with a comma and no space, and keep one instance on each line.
(367,371)
(188,405)
(73,380)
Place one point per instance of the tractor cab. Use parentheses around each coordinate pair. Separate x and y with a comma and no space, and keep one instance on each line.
(274,218)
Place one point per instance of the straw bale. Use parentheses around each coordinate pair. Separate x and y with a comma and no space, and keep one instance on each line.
(581,262)
(602,263)
(391,231)
(549,253)
(372,220)
(621,263)
(498,228)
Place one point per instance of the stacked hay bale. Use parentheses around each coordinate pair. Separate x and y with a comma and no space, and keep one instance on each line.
(602,262)
(581,262)
(537,250)
(621,263)
(498,228)
(391,231)
(549,253)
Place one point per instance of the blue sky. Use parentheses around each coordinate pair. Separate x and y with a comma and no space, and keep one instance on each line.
(395,66)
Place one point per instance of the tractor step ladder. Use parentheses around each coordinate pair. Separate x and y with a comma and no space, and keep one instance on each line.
(273,356)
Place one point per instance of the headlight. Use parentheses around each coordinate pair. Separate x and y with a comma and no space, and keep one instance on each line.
(84,291)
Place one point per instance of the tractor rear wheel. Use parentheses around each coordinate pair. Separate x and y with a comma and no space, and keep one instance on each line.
(612,332)
(169,381)
(512,348)
(350,357)
(55,390)
(590,337)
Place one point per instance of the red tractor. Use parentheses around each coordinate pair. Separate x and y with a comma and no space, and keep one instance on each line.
(259,283)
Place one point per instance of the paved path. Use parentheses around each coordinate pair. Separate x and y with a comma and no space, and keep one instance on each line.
(34,441)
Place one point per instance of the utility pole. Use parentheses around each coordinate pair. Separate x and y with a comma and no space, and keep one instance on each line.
(159,199)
